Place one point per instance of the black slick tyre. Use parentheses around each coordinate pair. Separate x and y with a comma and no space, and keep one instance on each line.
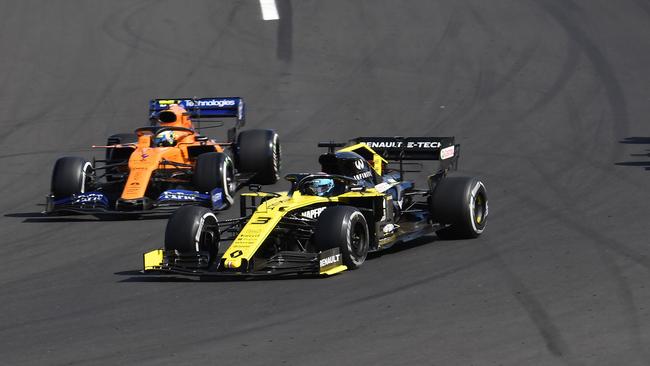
(215,170)
(461,203)
(344,227)
(258,151)
(192,229)
(71,175)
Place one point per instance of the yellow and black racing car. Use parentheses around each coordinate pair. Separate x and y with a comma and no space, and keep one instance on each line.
(329,221)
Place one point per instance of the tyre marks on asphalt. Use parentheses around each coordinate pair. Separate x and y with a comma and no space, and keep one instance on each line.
(555,342)
(560,82)
(570,207)
(488,85)
(445,69)
(606,246)
(212,49)
(463,72)
(117,26)
(569,16)
(205,321)
(31,100)
(338,95)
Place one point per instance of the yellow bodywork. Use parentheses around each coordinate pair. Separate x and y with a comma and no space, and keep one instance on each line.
(335,270)
(266,217)
(270,212)
(153,260)
(261,224)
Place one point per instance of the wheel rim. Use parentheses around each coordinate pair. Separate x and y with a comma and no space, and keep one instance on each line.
(231,183)
(86,177)
(479,209)
(358,242)
(209,233)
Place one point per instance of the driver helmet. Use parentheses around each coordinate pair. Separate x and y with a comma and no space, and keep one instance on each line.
(164,139)
(320,186)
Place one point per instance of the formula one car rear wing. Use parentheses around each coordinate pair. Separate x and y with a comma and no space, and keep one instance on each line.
(399,149)
(204,108)
(411,148)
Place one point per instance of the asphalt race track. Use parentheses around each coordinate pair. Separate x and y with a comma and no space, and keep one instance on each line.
(550,100)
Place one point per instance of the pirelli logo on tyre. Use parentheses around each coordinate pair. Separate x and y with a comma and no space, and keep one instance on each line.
(329,259)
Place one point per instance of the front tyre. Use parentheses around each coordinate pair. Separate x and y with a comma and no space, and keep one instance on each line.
(215,170)
(462,204)
(71,175)
(193,230)
(344,227)
(258,151)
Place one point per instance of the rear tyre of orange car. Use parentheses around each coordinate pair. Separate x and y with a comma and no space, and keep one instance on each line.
(258,151)
(461,204)
(344,227)
(215,170)
(193,229)
(71,175)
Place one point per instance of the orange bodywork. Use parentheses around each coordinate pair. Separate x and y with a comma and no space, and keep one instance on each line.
(147,158)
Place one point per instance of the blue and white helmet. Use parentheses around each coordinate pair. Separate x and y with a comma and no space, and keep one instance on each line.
(320,186)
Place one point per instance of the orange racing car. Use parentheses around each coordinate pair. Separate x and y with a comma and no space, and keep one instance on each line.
(169,163)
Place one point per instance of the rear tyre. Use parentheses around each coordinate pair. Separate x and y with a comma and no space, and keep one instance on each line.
(193,229)
(344,227)
(215,170)
(71,175)
(258,151)
(462,204)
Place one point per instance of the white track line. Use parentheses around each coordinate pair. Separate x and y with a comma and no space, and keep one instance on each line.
(269,10)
